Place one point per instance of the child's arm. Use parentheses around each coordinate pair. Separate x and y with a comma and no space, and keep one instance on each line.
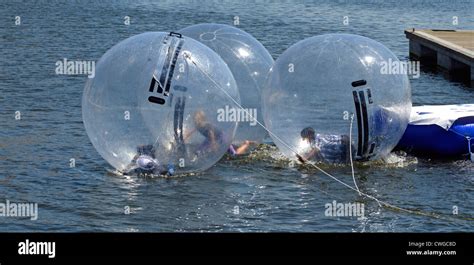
(305,157)
(189,134)
(241,149)
(131,165)
(212,137)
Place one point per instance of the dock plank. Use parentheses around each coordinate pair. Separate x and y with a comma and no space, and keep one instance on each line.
(450,49)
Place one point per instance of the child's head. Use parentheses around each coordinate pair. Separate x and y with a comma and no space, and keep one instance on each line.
(199,117)
(145,149)
(308,134)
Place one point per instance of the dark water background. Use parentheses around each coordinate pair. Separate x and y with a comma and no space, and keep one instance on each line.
(256,193)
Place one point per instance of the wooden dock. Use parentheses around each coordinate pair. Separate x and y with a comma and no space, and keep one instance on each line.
(452,50)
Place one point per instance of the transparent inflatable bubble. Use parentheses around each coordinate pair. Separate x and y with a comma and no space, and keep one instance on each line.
(249,62)
(153,105)
(329,97)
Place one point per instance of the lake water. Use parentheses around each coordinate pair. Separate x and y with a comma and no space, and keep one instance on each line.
(260,192)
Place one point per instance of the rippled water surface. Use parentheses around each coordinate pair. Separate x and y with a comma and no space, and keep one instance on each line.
(260,192)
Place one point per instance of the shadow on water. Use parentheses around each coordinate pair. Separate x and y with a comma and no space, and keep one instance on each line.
(460,74)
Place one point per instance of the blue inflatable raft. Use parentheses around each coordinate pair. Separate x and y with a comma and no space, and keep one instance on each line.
(445,131)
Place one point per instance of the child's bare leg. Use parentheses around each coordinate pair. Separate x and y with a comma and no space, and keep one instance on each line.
(243,148)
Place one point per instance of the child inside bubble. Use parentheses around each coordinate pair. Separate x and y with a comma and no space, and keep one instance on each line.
(213,136)
(145,162)
(326,148)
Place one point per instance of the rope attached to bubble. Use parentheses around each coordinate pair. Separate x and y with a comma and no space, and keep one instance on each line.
(468,138)
(380,202)
(350,154)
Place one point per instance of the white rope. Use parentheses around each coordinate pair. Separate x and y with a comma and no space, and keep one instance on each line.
(350,153)
(468,138)
(471,154)
(380,202)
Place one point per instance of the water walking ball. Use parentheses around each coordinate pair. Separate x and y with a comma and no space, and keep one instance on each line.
(249,62)
(330,97)
(154,101)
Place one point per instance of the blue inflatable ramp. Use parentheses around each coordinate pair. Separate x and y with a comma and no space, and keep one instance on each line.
(443,131)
